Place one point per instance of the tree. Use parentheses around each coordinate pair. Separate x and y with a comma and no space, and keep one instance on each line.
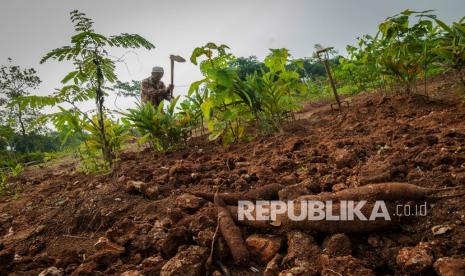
(311,68)
(16,82)
(6,135)
(94,70)
(247,66)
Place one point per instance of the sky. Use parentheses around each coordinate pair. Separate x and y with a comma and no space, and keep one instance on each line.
(29,29)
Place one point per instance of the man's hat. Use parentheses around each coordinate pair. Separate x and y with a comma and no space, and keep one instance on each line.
(157,69)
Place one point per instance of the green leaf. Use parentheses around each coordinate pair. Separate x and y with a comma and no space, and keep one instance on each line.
(144,139)
(443,25)
(194,86)
(69,76)
(206,107)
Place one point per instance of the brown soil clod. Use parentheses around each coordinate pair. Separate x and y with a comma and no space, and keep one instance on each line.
(157,214)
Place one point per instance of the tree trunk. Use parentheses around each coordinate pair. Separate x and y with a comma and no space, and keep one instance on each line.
(21,123)
(106,150)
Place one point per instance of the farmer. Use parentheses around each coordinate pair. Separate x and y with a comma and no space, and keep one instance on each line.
(153,90)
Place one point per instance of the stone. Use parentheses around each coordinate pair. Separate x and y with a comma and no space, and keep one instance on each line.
(131,273)
(415,259)
(51,271)
(187,262)
(450,266)
(337,245)
(303,269)
(441,229)
(104,243)
(39,229)
(189,202)
(150,191)
(263,247)
(152,265)
(134,186)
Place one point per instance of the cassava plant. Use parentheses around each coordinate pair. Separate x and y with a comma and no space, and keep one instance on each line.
(401,46)
(450,48)
(223,110)
(234,102)
(12,170)
(357,71)
(277,89)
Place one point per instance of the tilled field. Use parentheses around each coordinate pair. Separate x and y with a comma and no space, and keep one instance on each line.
(144,219)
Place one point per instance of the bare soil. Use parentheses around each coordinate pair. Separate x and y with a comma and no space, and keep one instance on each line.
(62,213)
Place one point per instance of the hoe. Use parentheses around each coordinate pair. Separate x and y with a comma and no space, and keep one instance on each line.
(174,58)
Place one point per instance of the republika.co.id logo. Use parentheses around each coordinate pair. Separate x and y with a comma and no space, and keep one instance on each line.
(344,210)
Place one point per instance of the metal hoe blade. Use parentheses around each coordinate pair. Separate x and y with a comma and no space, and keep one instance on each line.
(177,58)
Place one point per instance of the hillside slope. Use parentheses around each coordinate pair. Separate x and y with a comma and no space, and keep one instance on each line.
(62,213)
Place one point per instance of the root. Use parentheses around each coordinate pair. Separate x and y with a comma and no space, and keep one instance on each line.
(436,197)
(383,191)
(231,233)
(208,263)
(283,223)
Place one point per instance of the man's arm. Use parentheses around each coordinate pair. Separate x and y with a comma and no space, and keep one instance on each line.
(163,91)
(144,92)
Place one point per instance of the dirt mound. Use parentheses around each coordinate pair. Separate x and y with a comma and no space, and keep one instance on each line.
(141,220)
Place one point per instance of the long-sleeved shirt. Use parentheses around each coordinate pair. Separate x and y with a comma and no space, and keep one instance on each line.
(153,91)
